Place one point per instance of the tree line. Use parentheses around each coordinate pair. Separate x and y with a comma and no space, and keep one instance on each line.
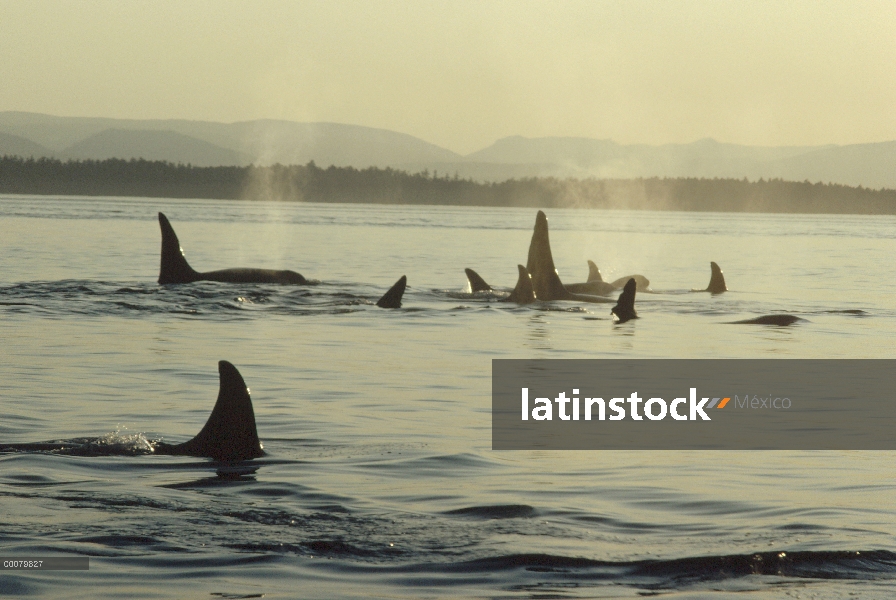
(138,177)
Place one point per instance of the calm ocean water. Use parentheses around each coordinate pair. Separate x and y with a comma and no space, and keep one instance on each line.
(380,480)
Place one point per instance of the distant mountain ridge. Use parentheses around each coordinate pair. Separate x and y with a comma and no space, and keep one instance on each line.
(153,145)
(266,142)
(871,165)
(17,145)
(207,143)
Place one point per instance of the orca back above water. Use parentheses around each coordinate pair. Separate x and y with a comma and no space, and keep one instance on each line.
(782,320)
(229,434)
(540,265)
(392,298)
(625,307)
(641,282)
(595,283)
(594,274)
(593,288)
(175,269)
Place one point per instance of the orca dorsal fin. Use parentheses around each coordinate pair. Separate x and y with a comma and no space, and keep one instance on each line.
(716,280)
(523,292)
(540,263)
(625,307)
(477,283)
(174,268)
(229,434)
(392,298)
(594,272)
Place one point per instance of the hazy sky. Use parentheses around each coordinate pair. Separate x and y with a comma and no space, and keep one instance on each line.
(462,74)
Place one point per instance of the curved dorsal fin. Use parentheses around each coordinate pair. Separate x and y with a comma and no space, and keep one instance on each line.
(716,280)
(523,292)
(229,434)
(625,307)
(477,283)
(594,272)
(175,268)
(392,298)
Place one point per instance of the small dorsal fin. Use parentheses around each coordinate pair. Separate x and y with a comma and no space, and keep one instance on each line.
(625,307)
(594,272)
(229,434)
(392,298)
(174,268)
(716,280)
(523,292)
(477,283)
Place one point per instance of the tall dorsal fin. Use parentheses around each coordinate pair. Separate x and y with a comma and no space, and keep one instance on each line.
(174,268)
(523,292)
(229,434)
(716,280)
(477,283)
(392,298)
(540,263)
(625,307)
(594,272)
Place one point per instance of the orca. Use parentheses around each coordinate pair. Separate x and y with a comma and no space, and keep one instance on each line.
(591,288)
(716,281)
(175,269)
(595,275)
(594,272)
(477,283)
(596,287)
(625,307)
(779,320)
(392,298)
(540,265)
(521,294)
(229,435)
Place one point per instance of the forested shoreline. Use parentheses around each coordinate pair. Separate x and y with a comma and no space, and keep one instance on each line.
(143,178)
